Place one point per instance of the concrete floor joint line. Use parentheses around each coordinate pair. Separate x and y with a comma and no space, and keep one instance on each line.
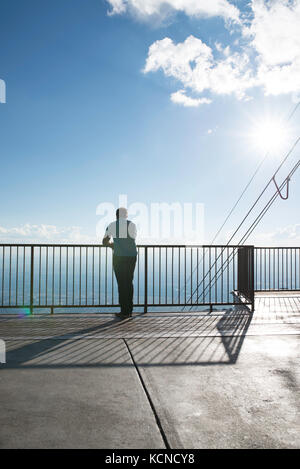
(157,419)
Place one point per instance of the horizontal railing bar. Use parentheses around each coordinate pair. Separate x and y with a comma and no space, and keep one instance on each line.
(277,247)
(138,245)
(140,305)
(279,290)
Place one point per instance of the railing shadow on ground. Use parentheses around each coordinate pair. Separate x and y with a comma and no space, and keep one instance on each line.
(202,340)
(220,346)
(278,303)
(237,323)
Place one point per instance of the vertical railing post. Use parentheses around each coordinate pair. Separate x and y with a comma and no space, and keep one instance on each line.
(146,280)
(252,287)
(31,278)
(245,279)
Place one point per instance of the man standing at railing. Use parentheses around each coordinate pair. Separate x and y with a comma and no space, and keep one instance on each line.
(123,233)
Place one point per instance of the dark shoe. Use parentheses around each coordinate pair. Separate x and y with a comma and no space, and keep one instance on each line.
(126,313)
(122,316)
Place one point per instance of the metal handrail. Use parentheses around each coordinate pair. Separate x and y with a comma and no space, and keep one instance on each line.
(277,268)
(43,275)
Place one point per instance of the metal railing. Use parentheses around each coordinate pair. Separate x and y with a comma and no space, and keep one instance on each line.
(81,276)
(277,268)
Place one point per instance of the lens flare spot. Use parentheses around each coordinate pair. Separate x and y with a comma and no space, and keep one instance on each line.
(270,135)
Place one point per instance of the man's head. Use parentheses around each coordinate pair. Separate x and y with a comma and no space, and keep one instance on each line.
(122,212)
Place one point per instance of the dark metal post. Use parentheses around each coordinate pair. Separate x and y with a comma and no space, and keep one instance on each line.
(146,280)
(31,278)
(252,278)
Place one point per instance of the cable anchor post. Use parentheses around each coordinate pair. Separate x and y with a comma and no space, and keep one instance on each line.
(287,180)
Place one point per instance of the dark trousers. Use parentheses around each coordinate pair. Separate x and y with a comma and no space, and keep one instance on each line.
(124,269)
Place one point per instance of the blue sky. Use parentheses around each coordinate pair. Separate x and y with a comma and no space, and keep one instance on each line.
(86,118)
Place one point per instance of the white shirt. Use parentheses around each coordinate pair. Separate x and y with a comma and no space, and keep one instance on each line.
(111,230)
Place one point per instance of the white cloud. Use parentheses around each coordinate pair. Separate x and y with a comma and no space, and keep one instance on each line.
(282,236)
(28,233)
(178,60)
(274,34)
(274,42)
(212,131)
(193,64)
(286,236)
(200,8)
(274,31)
(118,7)
(224,50)
(180,98)
(265,55)
(280,80)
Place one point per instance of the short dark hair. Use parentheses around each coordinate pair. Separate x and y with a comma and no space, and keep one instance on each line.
(122,212)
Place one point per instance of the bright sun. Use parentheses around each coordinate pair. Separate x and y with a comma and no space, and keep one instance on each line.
(270,135)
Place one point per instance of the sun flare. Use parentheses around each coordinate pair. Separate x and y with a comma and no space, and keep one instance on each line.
(270,135)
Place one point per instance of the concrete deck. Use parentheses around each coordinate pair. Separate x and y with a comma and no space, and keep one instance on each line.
(192,380)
